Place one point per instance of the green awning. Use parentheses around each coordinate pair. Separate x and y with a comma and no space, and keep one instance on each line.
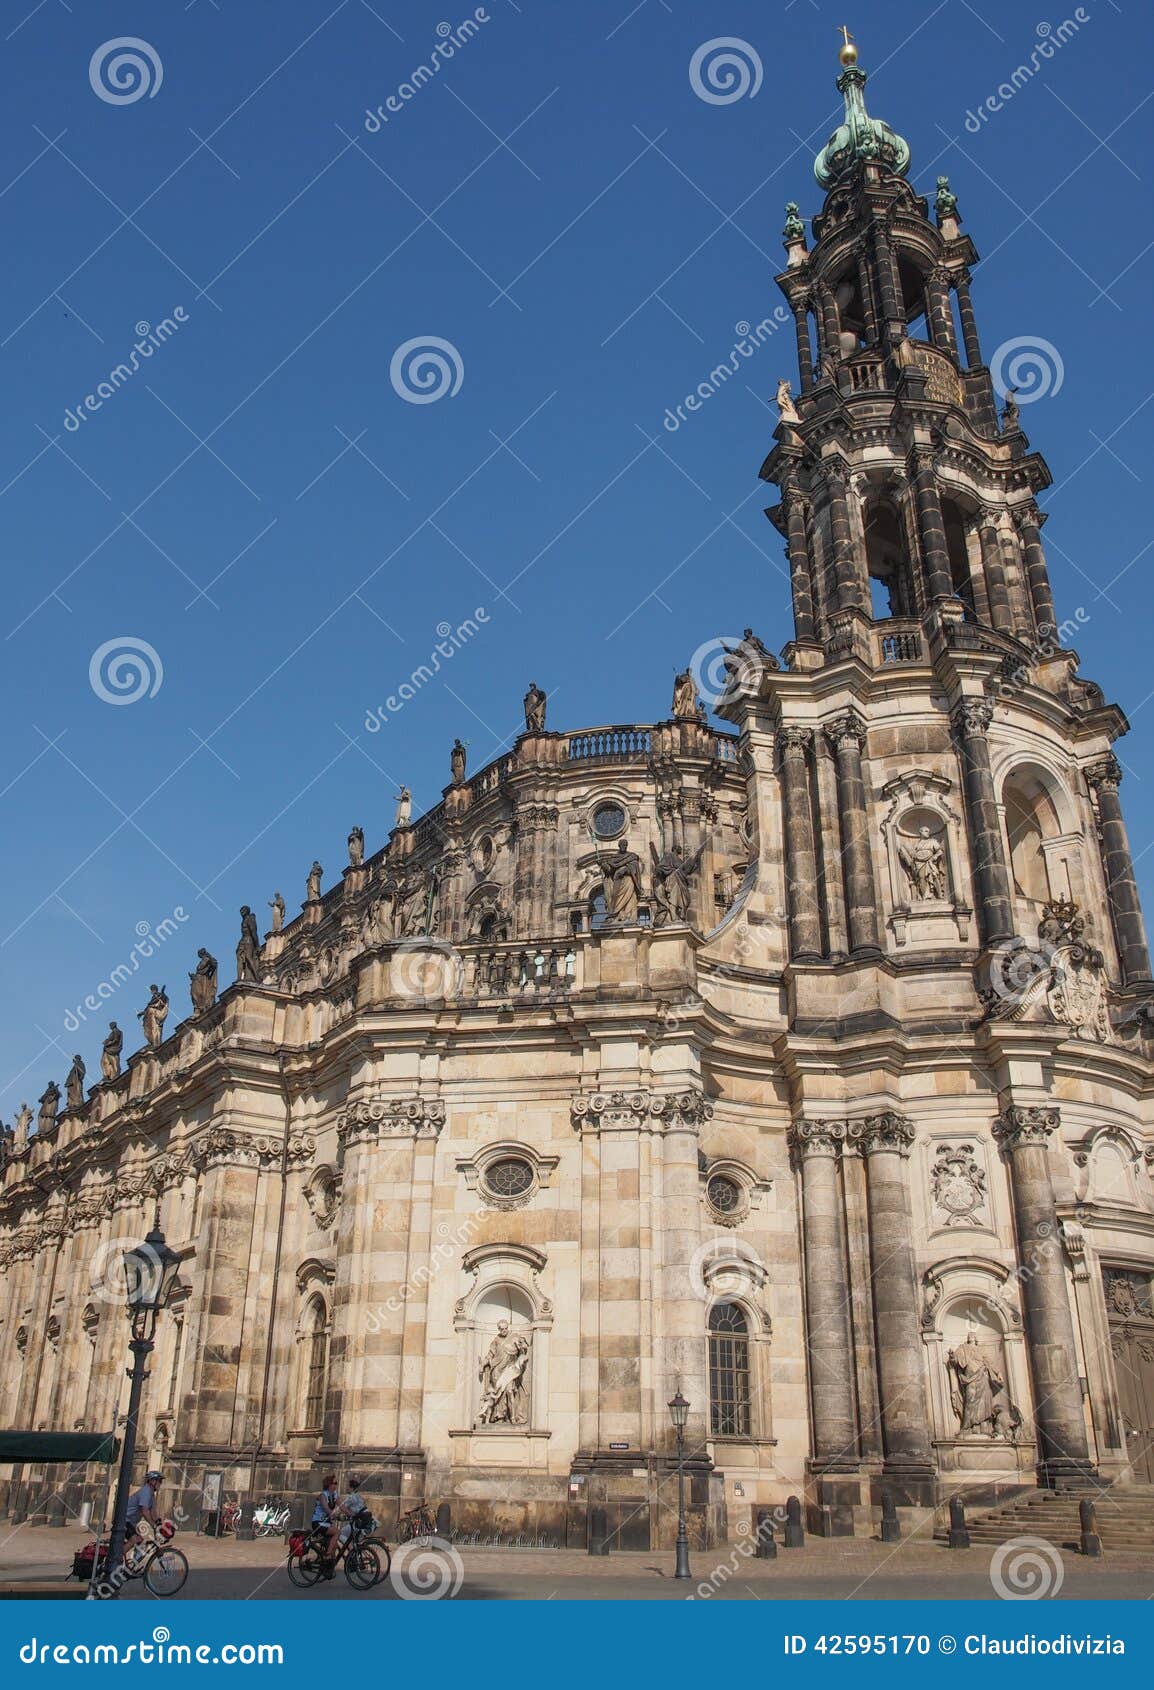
(71,1447)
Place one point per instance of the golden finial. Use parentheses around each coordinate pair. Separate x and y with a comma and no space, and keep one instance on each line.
(848,53)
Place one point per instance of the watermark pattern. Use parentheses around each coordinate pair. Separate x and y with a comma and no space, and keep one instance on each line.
(1026,1569)
(725,1266)
(728,663)
(1049,41)
(749,339)
(725,70)
(450,40)
(425,369)
(149,340)
(449,642)
(124,670)
(147,940)
(426,970)
(426,1570)
(1029,367)
(125,70)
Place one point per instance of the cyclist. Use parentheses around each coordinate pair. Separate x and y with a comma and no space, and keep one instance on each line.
(353,1504)
(142,1506)
(325,1507)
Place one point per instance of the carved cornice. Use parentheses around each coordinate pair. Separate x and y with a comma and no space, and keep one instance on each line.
(816,1138)
(1106,772)
(618,1111)
(887,1131)
(408,1117)
(1016,1127)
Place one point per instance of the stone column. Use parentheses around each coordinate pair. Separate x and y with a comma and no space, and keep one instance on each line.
(800,568)
(865,288)
(969,322)
(682,1115)
(939,313)
(1001,614)
(1029,525)
(851,589)
(800,851)
(830,322)
(232,1209)
(816,1147)
(847,736)
(1104,778)
(931,527)
(1062,1446)
(895,317)
(804,345)
(885,1142)
(991,877)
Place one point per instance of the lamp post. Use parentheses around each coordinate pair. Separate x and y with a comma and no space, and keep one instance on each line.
(150,1272)
(679,1414)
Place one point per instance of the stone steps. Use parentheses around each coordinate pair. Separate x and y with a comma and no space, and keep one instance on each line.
(1125,1519)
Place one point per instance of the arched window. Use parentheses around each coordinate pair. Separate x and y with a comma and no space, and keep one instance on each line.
(1030,820)
(913,285)
(955,525)
(729,1410)
(887,560)
(598,912)
(316,1362)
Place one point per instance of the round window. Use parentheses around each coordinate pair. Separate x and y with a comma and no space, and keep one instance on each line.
(724,1194)
(512,1176)
(608,821)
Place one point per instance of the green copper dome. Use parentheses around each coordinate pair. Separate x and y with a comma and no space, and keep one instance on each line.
(861,136)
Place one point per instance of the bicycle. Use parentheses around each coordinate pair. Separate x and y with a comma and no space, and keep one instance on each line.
(417,1525)
(152,1559)
(366,1560)
(271,1520)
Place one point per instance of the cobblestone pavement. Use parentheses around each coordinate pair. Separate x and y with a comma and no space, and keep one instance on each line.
(845,1569)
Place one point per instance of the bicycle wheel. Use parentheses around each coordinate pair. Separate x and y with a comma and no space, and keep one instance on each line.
(362,1567)
(384,1558)
(305,1569)
(166,1572)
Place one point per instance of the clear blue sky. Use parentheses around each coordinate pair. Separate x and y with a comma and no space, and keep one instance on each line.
(260,506)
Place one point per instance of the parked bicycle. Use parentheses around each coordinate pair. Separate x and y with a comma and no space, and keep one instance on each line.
(417,1525)
(230,1517)
(366,1558)
(270,1520)
(153,1559)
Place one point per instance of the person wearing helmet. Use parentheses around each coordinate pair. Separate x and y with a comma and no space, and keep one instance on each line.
(142,1506)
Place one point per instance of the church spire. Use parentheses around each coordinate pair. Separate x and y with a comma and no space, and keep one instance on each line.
(860,137)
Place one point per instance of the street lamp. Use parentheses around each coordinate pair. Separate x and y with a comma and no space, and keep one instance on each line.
(150,1272)
(679,1414)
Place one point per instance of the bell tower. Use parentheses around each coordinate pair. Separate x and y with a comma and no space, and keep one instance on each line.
(906,501)
(942,879)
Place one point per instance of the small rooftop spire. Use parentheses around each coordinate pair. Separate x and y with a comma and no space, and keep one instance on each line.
(860,137)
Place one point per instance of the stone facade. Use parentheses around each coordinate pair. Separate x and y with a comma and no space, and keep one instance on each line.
(843,1127)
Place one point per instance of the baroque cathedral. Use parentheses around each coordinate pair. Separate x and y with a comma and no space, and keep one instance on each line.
(802,1065)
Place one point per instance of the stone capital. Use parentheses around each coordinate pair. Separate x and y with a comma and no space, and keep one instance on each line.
(639,1111)
(1016,1127)
(887,1131)
(816,1138)
(396,1117)
(847,733)
(972,717)
(1106,772)
(794,741)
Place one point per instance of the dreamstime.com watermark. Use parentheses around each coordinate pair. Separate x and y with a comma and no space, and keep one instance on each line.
(1028,366)
(450,640)
(124,670)
(449,43)
(148,941)
(1049,41)
(749,339)
(125,70)
(149,341)
(158,1650)
(725,70)
(425,369)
